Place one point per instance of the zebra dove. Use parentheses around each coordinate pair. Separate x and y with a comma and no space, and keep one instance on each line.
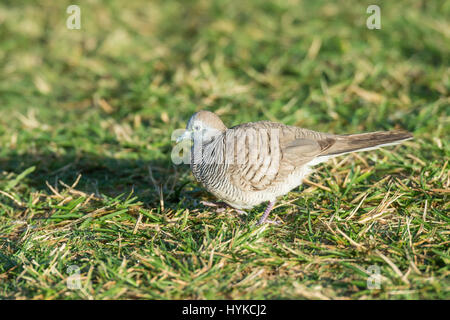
(257,162)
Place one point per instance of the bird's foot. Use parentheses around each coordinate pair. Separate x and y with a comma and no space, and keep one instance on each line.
(218,208)
(221,207)
(209,204)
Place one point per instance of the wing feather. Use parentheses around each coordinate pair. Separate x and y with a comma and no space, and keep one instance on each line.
(267,152)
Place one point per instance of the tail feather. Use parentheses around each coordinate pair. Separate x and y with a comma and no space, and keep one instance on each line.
(366,141)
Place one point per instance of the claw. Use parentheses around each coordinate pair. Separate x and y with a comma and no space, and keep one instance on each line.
(209,204)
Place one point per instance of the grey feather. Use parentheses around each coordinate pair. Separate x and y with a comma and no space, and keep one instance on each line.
(259,161)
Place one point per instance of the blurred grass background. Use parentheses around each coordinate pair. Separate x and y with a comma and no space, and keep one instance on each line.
(102,102)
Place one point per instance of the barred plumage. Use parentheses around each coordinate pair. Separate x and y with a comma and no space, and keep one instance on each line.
(259,161)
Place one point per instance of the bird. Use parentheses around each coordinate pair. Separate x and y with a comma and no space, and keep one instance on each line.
(258,162)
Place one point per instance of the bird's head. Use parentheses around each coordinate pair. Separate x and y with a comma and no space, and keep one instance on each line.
(203,126)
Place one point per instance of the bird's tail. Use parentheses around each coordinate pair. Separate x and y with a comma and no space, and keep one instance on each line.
(366,141)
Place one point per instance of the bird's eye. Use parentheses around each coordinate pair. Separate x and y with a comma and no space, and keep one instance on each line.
(196,128)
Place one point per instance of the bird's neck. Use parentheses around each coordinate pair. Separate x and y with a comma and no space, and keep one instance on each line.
(207,153)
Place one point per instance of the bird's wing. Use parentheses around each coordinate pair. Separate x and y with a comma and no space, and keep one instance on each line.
(263,153)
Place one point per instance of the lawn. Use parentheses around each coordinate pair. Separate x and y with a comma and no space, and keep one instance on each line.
(92,207)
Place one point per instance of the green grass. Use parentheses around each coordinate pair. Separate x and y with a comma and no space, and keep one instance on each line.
(86,177)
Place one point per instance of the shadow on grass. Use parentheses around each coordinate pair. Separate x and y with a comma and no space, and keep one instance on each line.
(101,175)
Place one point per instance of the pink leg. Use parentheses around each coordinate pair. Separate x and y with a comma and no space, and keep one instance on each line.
(266,212)
(221,206)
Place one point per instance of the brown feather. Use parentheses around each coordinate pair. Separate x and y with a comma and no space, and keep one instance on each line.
(355,142)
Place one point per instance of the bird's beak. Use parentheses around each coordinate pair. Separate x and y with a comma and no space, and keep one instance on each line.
(186,135)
